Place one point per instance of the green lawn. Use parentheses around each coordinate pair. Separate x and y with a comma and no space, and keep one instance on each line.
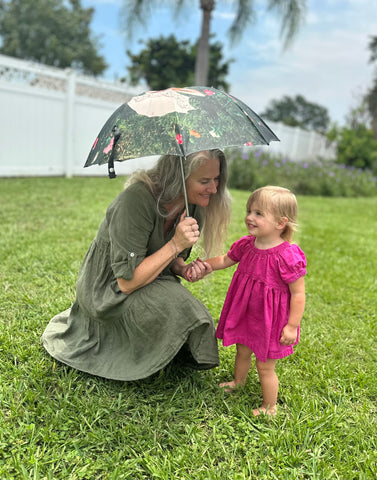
(58,423)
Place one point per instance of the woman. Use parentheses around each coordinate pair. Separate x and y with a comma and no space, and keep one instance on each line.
(131,315)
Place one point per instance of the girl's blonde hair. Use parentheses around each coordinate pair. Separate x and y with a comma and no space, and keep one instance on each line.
(165,182)
(280,202)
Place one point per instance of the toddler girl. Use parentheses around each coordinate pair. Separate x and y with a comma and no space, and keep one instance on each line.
(266,298)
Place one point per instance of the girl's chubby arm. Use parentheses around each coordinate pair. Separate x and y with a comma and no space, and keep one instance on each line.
(208,266)
(297,306)
(219,263)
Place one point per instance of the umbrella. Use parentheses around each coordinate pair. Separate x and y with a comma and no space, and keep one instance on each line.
(177,121)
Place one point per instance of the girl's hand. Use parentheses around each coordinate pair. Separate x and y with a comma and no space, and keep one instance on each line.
(187,232)
(196,270)
(288,335)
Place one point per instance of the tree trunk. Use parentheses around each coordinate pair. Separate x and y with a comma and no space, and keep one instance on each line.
(202,55)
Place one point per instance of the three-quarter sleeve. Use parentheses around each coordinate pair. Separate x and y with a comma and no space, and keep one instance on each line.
(130,222)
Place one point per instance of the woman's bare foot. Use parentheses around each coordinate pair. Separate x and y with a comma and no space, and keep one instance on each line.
(229,387)
(263,410)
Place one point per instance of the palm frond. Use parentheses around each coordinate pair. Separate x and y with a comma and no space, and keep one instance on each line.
(292,13)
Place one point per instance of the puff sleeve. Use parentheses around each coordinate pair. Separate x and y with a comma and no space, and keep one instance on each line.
(292,264)
(238,248)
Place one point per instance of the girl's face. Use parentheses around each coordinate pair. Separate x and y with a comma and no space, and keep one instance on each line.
(203,183)
(261,224)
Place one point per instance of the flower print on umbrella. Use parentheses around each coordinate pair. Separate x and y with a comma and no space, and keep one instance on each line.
(161,102)
(109,146)
(193,133)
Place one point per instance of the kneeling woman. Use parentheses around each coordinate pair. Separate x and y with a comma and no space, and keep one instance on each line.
(132,315)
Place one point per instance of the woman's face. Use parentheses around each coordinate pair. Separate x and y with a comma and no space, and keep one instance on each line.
(202,183)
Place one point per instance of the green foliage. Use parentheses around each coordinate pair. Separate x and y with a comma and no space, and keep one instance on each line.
(356,146)
(371,99)
(373,49)
(166,62)
(53,32)
(326,178)
(59,424)
(371,96)
(298,112)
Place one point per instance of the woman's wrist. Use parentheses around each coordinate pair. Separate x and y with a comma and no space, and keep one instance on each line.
(178,266)
(174,248)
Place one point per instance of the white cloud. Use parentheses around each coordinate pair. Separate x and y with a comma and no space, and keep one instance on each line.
(224,15)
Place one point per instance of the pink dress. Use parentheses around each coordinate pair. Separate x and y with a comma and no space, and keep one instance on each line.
(257,305)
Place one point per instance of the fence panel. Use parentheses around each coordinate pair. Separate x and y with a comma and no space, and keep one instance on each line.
(299,145)
(31,125)
(49,119)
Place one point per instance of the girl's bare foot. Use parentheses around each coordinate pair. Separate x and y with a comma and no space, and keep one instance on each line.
(229,387)
(263,410)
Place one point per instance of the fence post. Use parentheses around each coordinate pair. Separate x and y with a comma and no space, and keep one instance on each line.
(69,122)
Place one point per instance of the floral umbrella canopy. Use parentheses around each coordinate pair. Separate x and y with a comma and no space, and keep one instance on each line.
(177,121)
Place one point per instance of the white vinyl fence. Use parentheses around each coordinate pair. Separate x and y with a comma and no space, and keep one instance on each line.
(299,145)
(49,119)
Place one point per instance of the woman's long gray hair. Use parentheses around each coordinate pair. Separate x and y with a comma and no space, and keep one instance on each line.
(165,182)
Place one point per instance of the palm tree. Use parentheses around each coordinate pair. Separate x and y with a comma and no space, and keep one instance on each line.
(291,13)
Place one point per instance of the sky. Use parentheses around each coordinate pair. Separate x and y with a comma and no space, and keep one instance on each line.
(327,63)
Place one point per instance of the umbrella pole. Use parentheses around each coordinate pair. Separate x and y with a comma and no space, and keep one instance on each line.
(184,186)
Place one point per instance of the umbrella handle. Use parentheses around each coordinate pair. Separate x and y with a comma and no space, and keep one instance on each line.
(184,186)
(110,165)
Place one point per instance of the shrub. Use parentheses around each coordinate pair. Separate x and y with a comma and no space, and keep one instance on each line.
(321,177)
(356,146)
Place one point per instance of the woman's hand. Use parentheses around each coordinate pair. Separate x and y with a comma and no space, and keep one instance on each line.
(187,232)
(196,270)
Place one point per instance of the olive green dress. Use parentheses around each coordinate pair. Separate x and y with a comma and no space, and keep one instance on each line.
(129,337)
